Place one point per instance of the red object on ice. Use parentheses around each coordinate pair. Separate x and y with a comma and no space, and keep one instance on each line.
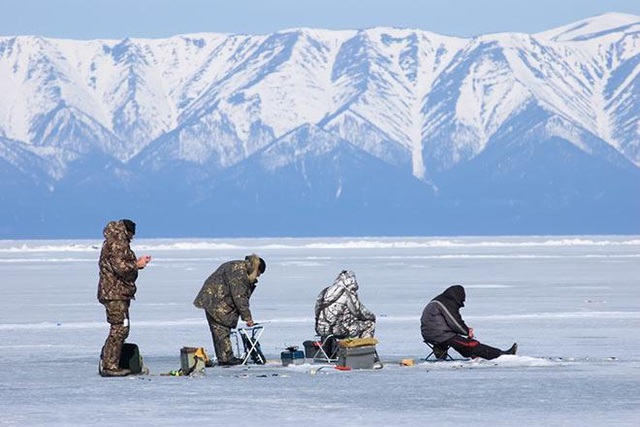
(343,368)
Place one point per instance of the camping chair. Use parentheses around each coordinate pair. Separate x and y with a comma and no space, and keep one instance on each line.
(327,348)
(251,344)
(437,352)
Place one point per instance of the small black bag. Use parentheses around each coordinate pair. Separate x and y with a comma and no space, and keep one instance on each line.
(130,358)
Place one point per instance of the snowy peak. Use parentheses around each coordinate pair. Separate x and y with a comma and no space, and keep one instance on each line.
(191,115)
(598,26)
(244,91)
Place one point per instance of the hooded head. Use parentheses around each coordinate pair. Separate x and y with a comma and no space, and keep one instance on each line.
(456,294)
(348,279)
(255,267)
(116,230)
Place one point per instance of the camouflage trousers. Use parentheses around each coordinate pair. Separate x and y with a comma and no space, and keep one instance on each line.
(354,329)
(118,318)
(362,329)
(221,341)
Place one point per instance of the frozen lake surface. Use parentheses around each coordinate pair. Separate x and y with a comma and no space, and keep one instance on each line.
(571,303)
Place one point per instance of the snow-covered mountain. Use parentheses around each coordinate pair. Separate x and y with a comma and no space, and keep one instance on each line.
(316,132)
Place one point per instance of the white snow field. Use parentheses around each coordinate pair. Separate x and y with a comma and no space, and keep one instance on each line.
(571,303)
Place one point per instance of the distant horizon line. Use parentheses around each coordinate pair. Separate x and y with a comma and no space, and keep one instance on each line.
(556,239)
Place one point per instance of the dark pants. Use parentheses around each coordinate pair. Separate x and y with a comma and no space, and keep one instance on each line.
(468,347)
(118,318)
(221,341)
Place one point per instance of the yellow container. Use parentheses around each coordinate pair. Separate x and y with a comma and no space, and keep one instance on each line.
(192,359)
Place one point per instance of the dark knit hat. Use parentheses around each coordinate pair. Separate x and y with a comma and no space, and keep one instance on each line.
(129,225)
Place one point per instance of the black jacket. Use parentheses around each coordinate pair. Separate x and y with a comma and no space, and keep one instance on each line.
(441,319)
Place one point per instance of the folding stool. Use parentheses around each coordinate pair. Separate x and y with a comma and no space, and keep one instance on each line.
(250,340)
(431,346)
(327,348)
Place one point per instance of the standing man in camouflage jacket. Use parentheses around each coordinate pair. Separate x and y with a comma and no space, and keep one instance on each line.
(225,298)
(339,310)
(116,288)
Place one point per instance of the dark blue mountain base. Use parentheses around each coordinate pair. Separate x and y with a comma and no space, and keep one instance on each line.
(511,188)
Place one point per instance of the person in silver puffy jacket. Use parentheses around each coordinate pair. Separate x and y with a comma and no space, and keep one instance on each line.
(339,311)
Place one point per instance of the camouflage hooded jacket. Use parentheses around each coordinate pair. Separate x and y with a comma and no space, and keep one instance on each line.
(338,306)
(118,269)
(225,294)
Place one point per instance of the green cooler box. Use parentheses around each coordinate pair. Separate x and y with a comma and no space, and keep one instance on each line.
(357,357)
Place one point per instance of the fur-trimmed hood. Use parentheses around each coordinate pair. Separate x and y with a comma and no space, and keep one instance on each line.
(253,267)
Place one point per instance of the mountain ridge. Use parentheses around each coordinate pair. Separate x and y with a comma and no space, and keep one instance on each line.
(183,111)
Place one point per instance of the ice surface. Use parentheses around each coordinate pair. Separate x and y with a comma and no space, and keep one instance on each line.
(571,303)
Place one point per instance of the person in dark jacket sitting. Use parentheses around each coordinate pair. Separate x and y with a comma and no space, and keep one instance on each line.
(442,326)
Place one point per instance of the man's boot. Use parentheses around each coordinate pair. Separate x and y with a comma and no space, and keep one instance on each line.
(117,372)
(513,349)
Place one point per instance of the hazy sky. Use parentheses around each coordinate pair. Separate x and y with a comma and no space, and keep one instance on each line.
(89,19)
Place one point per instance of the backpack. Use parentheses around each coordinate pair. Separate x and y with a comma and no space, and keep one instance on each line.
(130,358)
